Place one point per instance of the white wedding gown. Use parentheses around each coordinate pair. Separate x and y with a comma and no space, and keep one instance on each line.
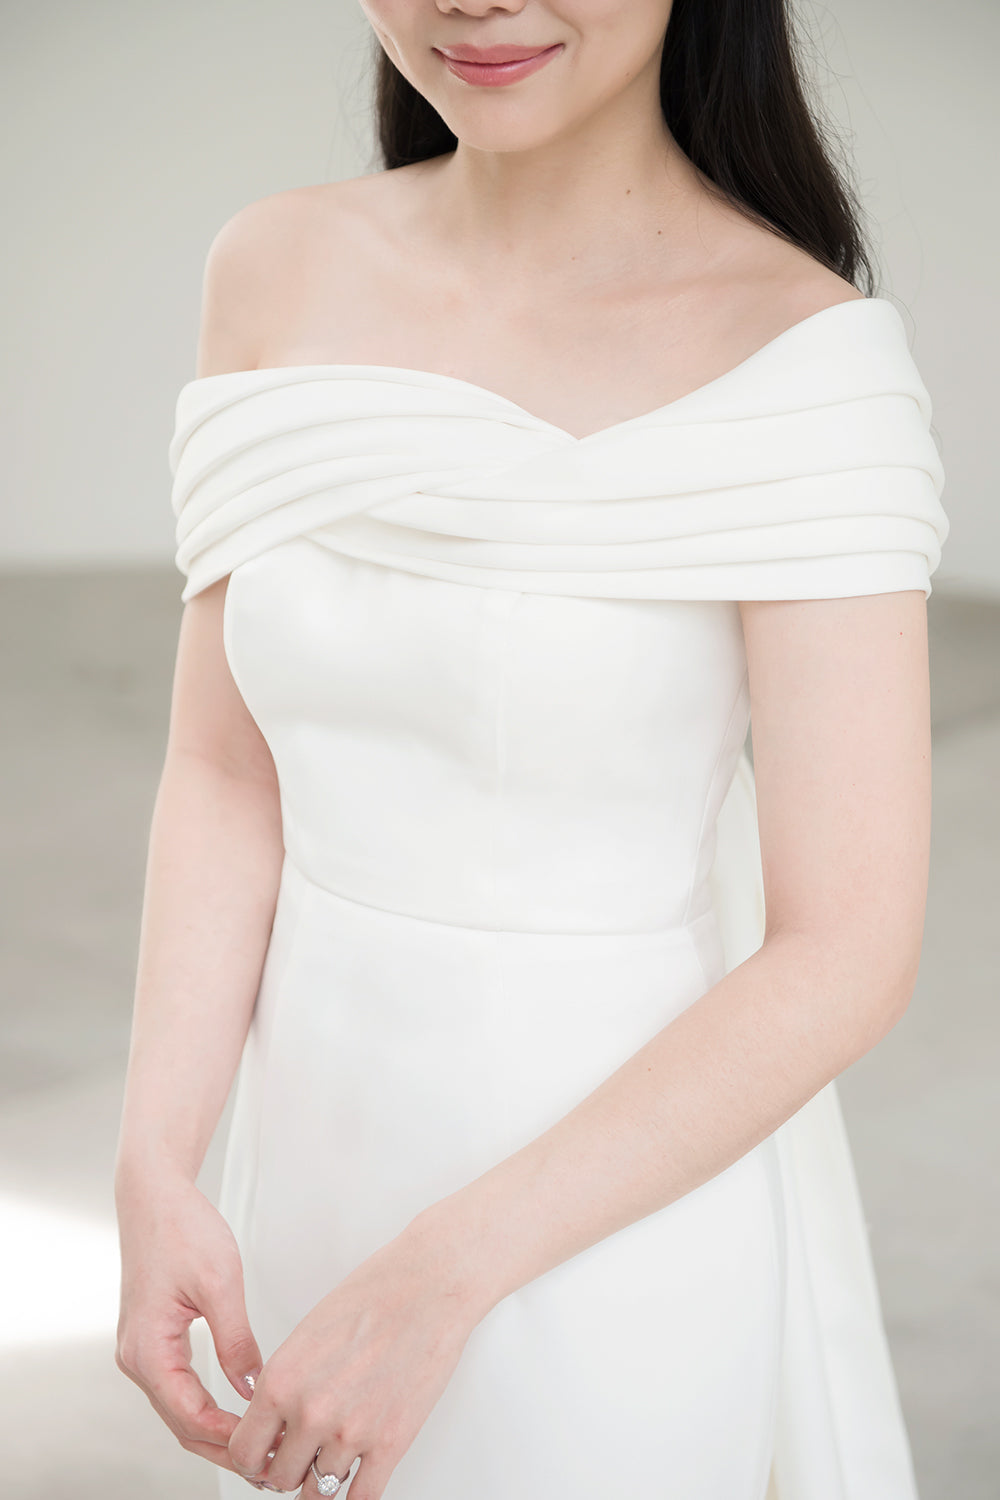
(502,674)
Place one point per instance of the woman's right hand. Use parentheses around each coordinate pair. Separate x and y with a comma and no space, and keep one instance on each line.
(180,1261)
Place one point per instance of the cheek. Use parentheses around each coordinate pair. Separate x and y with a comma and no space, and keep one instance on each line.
(610,17)
(407,30)
(611,44)
(398,26)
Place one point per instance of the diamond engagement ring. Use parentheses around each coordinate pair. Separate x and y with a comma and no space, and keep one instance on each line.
(328,1484)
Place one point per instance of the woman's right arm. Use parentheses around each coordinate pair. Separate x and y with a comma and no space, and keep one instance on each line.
(215,853)
(212,874)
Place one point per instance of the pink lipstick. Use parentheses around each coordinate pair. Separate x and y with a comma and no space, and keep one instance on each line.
(495,65)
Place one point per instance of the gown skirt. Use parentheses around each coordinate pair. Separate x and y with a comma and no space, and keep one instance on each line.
(502,674)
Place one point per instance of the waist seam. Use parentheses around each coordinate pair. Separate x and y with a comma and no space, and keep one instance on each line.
(681,931)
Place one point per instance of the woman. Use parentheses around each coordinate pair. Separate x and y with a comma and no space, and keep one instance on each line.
(515,481)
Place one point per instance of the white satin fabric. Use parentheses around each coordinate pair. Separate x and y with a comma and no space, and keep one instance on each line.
(502,674)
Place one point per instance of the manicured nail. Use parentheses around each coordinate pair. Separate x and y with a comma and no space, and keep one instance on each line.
(251,1381)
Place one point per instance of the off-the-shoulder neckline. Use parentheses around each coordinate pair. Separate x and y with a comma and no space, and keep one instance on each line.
(411,374)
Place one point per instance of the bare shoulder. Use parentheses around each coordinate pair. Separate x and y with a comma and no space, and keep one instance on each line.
(272,264)
(249,261)
(747,285)
(240,261)
(789,284)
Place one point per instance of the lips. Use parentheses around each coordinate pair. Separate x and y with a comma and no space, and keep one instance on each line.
(491,55)
(495,67)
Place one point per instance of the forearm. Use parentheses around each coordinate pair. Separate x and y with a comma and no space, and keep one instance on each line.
(212,875)
(695,1098)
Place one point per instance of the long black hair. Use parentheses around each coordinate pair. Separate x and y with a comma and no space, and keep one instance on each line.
(734,101)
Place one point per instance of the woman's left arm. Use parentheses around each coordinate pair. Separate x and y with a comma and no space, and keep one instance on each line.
(840,719)
(840,712)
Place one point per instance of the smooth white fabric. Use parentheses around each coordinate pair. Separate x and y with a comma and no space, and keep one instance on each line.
(502,674)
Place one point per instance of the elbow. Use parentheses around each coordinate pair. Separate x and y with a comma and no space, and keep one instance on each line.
(865,983)
(899,983)
(879,998)
(881,991)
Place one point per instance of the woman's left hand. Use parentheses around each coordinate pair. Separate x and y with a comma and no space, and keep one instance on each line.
(359,1374)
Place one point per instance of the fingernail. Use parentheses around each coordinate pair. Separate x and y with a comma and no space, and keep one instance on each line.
(251,1380)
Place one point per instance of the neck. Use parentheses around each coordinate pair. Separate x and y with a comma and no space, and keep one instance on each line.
(591,201)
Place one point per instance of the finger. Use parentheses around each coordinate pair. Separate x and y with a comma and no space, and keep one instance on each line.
(271,1452)
(216,1453)
(262,1479)
(368,1473)
(223,1307)
(160,1364)
(258,1440)
(291,1466)
(328,1463)
(187,1407)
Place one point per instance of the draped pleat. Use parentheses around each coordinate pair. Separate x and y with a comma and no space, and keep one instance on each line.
(807,471)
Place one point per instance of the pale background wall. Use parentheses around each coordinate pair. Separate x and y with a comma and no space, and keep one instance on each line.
(133,131)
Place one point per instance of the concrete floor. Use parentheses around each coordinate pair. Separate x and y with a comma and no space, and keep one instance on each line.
(85,681)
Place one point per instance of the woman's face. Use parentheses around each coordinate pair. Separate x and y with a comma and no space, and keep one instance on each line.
(598,49)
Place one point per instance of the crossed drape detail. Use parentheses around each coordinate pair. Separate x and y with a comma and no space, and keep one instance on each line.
(808,471)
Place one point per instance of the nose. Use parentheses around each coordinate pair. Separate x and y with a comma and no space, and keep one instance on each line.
(474,8)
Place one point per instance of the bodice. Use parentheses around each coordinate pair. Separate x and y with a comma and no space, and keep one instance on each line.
(501,669)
